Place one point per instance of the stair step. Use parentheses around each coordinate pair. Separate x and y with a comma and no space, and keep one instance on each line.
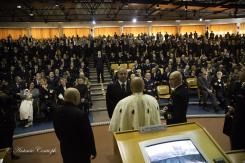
(98,104)
(95,76)
(98,99)
(95,73)
(97,93)
(97,88)
(99,84)
(105,79)
(99,109)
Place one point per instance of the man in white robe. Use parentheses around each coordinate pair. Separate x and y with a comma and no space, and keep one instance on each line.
(135,111)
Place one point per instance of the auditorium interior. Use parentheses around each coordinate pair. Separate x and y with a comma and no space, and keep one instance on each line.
(46,44)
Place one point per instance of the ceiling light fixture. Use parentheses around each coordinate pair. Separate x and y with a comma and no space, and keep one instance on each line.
(18,6)
(201,19)
(31,14)
(93,22)
(149,21)
(134,20)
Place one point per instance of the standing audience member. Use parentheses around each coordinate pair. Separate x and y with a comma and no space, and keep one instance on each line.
(238,113)
(204,84)
(135,111)
(47,98)
(150,87)
(117,91)
(176,111)
(72,128)
(83,90)
(61,89)
(7,121)
(29,99)
(99,62)
(218,85)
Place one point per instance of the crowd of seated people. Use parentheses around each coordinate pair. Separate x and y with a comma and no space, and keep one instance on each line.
(37,72)
(155,57)
(52,65)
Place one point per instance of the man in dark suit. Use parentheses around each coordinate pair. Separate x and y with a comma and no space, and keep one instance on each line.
(7,120)
(237,137)
(61,89)
(72,128)
(204,84)
(99,62)
(218,85)
(117,91)
(176,111)
(83,90)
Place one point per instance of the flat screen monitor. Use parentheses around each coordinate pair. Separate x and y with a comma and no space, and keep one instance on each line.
(172,150)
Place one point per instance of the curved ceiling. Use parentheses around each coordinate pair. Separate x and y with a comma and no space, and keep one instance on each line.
(122,10)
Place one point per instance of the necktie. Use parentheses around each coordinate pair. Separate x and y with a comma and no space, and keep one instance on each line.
(123,87)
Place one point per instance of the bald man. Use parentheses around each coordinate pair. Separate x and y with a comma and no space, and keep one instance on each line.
(176,111)
(117,90)
(135,111)
(73,130)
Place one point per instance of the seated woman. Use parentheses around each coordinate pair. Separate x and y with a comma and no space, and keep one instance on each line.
(28,96)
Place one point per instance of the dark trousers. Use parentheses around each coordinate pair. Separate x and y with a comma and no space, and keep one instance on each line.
(222,100)
(100,73)
(6,138)
(204,98)
(84,107)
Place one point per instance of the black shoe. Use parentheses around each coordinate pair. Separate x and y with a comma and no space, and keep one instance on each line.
(15,157)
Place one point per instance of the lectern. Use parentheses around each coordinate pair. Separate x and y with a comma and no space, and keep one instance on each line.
(187,142)
(5,155)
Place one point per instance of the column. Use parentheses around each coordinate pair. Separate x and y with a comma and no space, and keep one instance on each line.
(238,27)
(91,31)
(178,29)
(150,29)
(121,30)
(28,32)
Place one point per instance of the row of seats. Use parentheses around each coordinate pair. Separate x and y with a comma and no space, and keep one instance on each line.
(115,66)
(163,91)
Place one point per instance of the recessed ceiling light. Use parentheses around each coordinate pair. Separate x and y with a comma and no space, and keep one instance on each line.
(56,5)
(93,22)
(149,21)
(19,6)
(200,19)
(31,14)
(134,20)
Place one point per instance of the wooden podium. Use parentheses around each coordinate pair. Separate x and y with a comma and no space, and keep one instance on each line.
(5,155)
(237,156)
(129,149)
